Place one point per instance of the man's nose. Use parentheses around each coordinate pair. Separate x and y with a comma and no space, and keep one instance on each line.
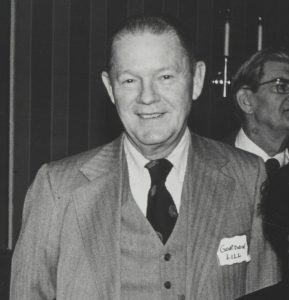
(148,93)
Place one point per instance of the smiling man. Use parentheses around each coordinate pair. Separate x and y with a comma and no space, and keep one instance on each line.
(160,212)
(261,92)
(151,84)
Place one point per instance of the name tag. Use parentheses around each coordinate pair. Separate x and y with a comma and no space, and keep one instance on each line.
(233,250)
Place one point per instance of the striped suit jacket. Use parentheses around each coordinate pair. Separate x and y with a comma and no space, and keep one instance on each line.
(69,245)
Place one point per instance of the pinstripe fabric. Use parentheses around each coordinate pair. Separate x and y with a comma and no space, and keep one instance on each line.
(69,246)
(225,208)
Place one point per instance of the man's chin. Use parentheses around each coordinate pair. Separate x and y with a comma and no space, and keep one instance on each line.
(153,140)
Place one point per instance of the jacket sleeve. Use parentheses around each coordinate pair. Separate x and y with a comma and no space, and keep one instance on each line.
(263,270)
(34,261)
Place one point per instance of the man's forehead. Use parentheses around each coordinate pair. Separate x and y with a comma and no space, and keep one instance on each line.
(157,50)
(276,69)
(132,37)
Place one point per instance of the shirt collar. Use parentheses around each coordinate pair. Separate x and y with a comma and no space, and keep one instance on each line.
(178,157)
(136,161)
(245,143)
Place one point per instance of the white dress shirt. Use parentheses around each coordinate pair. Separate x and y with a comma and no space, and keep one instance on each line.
(139,178)
(243,142)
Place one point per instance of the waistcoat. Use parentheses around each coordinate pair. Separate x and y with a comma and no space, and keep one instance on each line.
(149,269)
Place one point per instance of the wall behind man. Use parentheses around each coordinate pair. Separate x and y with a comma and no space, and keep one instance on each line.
(60,105)
(4,120)
(4,146)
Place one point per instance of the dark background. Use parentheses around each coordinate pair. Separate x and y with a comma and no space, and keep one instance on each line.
(4,145)
(60,105)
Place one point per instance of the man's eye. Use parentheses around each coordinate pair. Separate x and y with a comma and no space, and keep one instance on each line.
(128,81)
(282,87)
(166,77)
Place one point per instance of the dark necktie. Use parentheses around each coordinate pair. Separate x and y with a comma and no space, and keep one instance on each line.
(272,165)
(161,210)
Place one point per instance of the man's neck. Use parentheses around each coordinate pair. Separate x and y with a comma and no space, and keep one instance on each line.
(270,143)
(161,150)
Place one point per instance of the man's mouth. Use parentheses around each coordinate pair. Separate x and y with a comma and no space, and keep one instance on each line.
(151,116)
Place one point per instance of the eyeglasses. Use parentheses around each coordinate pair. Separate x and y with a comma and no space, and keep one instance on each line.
(281,85)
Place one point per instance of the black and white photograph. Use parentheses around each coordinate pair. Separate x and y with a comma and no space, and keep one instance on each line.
(144,150)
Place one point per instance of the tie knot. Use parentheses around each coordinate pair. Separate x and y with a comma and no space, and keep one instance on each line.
(272,165)
(159,169)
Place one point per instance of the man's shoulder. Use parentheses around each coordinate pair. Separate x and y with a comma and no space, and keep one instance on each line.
(74,161)
(67,171)
(77,160)
(217,149)
(245,168)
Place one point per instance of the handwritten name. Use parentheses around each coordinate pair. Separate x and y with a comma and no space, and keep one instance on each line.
(224,248)
(233,250)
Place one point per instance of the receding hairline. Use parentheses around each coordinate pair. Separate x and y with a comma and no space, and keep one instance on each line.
(157,25)
(173,43)
(174,37)
(146,28)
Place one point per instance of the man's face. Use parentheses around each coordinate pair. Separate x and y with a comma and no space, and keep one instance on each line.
(271,109)
(152,88)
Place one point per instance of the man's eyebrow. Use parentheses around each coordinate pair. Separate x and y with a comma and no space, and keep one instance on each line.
(124,72)
(162,69)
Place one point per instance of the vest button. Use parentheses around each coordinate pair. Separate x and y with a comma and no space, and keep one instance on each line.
(181,297)
(167,256)
(167,285)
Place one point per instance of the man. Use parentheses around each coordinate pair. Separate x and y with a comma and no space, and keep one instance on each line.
(261,94)
(275,212)
(159,213)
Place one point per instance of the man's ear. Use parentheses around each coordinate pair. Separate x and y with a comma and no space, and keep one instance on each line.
(244,99)
(199,77)
(107,83)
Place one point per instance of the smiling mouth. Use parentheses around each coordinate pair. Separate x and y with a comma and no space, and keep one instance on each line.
(151,116)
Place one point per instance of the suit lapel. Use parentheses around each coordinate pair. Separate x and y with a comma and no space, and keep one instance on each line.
(208,190)
(98,206)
